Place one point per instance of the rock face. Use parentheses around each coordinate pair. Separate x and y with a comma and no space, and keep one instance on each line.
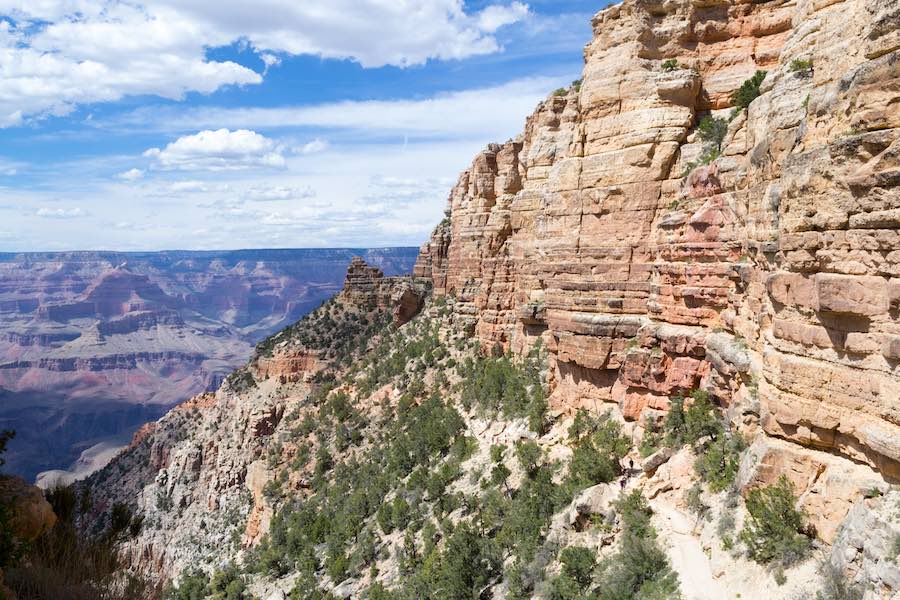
(366,287)
(94,344)
(201,476)
(768,277)
(867,544)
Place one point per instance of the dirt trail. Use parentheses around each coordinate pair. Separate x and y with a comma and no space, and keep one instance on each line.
(687,555)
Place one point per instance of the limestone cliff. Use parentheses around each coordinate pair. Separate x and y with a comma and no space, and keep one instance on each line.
(768,277)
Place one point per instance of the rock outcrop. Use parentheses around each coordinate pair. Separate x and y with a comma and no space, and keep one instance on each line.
(366,287)
(766,277)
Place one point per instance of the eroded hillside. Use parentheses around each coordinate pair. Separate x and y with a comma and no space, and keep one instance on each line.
(650,352)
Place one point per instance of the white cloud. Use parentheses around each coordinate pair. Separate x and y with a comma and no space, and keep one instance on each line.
(263,193)
(317,145)
(61,213)
(373,33)
(131,175)
(8,168)
(56,54)
(269,60)
(496,16)
(467,114)
(219,150)
(188,187)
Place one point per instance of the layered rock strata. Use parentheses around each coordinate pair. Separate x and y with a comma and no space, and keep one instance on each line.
(767,277)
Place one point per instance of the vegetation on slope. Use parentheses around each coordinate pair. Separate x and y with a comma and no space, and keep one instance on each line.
(402,484)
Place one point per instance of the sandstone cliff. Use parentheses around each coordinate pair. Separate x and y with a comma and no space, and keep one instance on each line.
(768,276)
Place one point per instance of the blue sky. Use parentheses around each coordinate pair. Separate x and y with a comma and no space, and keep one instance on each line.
(202,124)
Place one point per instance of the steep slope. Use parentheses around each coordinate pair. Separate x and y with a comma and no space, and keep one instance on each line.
(658,352)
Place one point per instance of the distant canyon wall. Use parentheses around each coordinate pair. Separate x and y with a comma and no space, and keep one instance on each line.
(93,344)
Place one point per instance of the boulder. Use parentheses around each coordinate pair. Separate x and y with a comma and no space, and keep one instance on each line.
(655,460)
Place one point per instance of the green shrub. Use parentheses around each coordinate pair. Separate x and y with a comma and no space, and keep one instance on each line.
(774,528)
(400,512)
(725,529)
(228,584)
(669,65)
(561,92)
(119,519)
(385,517)
(802,67)
(651,442)
(873,492)
(272,490)
(192,585)
(467,564)
(692,425)
(640,568)
(749,90)
(578,564)
(836,587)
(240,380)
(711,131)
(337,564)
(307,588)
(598,450)
(718,462)
(501,385)
(499,474)
(529,456)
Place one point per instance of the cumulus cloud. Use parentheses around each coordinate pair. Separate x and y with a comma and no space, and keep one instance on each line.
(219,150)
(496,16)
(56,54)
(131,175)
(61,213)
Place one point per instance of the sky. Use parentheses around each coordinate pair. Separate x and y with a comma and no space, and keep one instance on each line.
(224,124)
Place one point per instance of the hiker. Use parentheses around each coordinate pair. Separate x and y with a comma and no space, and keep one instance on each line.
(622,483)
(630,465)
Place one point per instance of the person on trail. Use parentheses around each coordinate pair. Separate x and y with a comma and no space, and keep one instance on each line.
(630,465)
(622,483)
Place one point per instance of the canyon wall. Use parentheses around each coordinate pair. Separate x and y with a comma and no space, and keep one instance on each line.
(768,276)
(93,344)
